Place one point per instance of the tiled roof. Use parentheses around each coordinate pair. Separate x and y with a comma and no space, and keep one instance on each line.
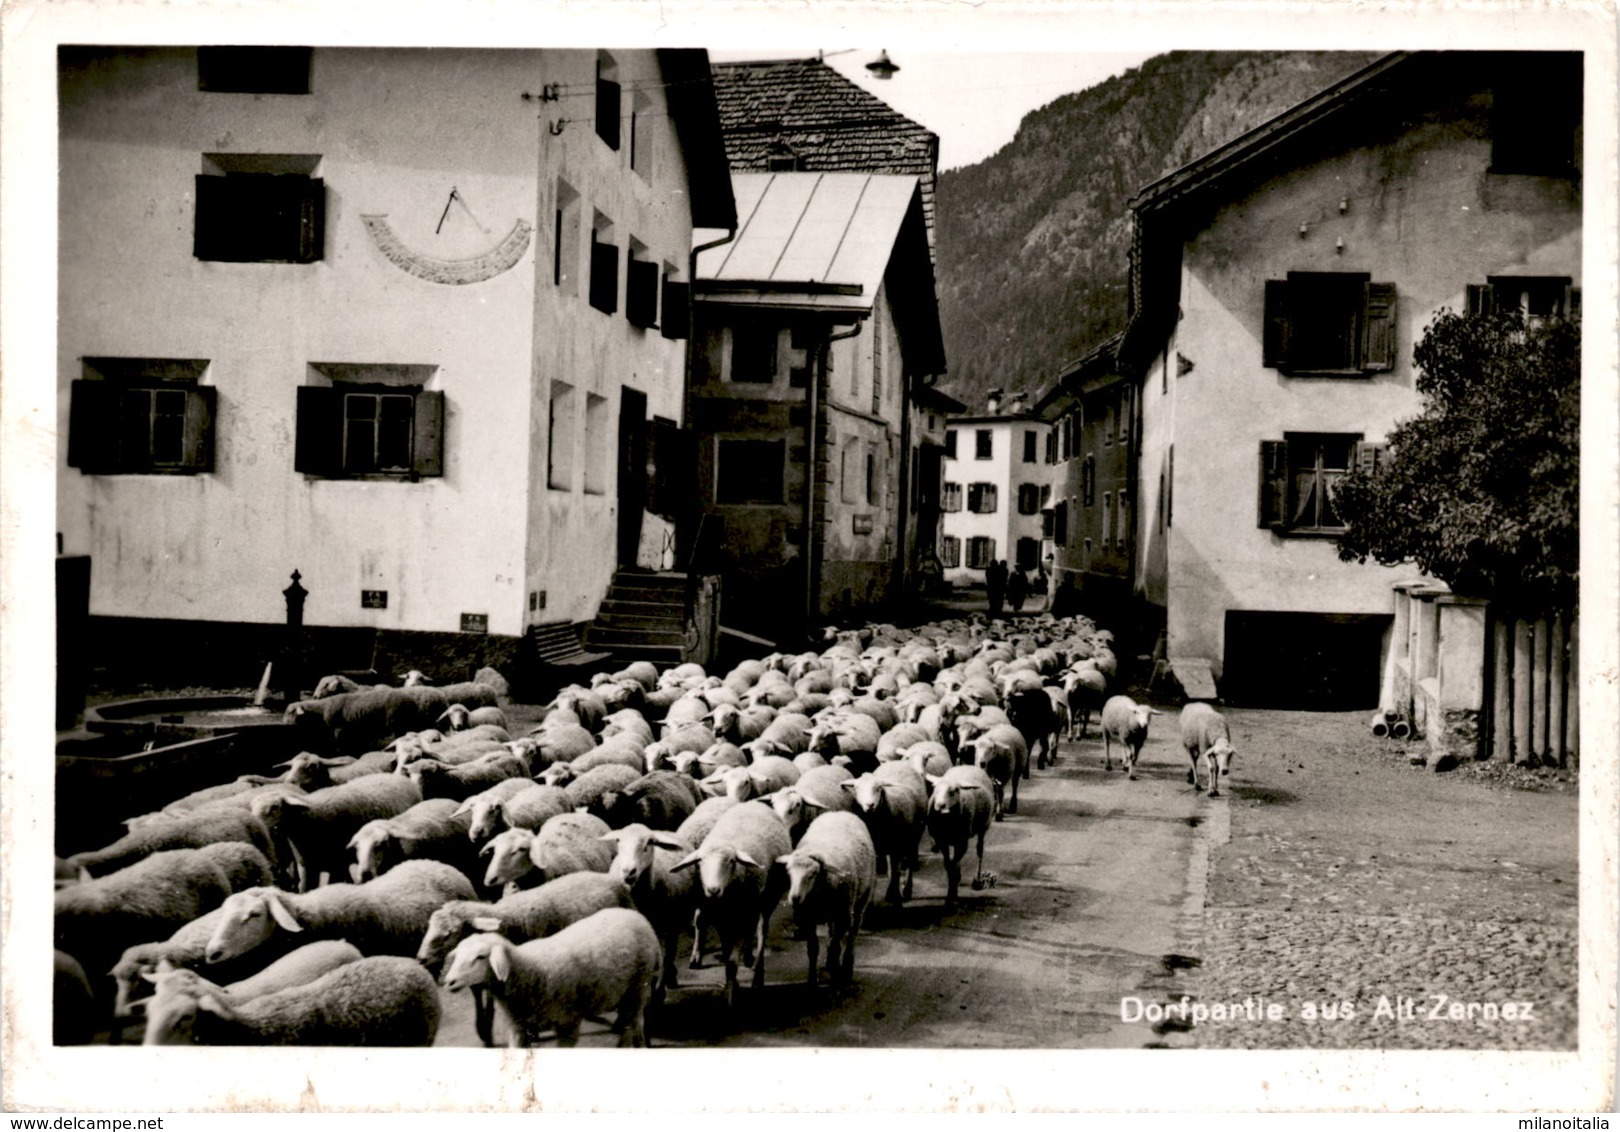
(802,108)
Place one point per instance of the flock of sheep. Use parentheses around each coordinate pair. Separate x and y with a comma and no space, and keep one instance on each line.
(553,874)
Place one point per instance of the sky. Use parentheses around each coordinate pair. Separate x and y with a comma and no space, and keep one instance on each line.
(973,101)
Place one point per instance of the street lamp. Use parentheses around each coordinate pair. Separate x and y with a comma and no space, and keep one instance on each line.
(882,67)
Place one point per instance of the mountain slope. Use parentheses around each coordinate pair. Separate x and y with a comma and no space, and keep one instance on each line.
(1033,241)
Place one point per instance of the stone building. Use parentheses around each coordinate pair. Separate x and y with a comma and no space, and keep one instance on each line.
(997,483)
(399,319)
(1278,286)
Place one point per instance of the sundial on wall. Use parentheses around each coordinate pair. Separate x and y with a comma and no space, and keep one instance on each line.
(477,268)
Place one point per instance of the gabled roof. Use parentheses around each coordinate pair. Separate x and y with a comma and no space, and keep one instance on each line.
(689,91)
(803,109)
(1083,375)
(826,242)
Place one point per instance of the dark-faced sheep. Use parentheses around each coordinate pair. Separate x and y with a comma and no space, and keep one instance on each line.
(893,800)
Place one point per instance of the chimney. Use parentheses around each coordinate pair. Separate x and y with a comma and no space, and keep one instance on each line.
(992,402)
(1017,406)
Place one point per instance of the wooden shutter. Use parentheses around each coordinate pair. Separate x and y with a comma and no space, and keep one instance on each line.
(427,445)
(319,447)
(607,111)
(1274,348)
(1378,328)
(210,232)
(991,502)
(310,194)
(1169,484)
(641,293)
(1481,299)
(677,309)
(197,439)
(604,277)
(92,427)
(1369,458)
(1273,483)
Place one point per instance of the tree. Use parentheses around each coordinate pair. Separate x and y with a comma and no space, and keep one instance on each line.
(1481,489)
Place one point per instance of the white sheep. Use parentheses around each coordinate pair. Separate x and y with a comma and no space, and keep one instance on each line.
(761,778)
(893,800)
(959,811)
(378,1001)
(562,743)
(741,885)
(567,843)
(608,961)
(587,790)
(817,791)
(386,916)
(439,780)
(431,830)
(294,969)
(626,751)
(188,831)
(644,862)
(831,875)
(1125,721)
(1205,736)
(1002,754)
(928,758)
(662,799)
(483,808)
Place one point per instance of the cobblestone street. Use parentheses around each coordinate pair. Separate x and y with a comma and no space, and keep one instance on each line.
(1351,876)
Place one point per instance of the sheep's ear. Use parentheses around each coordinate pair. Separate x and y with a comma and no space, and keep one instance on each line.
(500,962)
(611,835)
(353,841)
(282,914)
(848,784)
(686,862)
(785,860)
(486,923)
(747,860)
(809,805)
(464,808)
(294,800)
(1154,711)
(489,847)
(84,874)
(933,779)
(664,841)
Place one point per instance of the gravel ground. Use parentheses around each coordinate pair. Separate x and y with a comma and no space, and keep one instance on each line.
(1351,876)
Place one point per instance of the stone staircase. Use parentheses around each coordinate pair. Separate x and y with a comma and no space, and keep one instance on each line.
(643,617)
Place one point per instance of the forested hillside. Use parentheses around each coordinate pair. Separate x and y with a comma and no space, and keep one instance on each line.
(1033,241)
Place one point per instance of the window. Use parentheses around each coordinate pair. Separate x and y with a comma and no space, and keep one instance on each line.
(1300,475)
(982,498)
(1124,414)
(253,70)
(596,444)
(370,422)
(1027,554)
(1108,426)
(259,208)
(640,155)
(604,267)
(1535,296)
(676,302)
(565,239)
(950,444)
(1108,520)
(640,289)
(782,158)
(1070,448)
(1122,535)
(141,415)
(753,354)
(1046,494)
(801,346)
(849,471)
(950,498)
(981,552)
(1060,524)
(1048,523)
(1088,481)
(560,438)
(982,444)
(1052,445)
(871,478)
(1030,440)
(1535,114)
(1029,499)
(950,551)
(877,366)
(1329,324)
(1169,484)
(750,471)
(607,100)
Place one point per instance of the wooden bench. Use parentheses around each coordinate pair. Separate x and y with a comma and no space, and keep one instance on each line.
(557,646)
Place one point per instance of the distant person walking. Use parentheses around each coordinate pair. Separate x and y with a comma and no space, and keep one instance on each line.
(1017,590)
(995,585)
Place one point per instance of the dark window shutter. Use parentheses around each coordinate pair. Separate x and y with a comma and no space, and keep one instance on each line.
(1481,299)
(641,293)
(197,440)
(607,111)
(1169,484)
(427,445)
(1572,301)
(1273,482)
(319,449)
(1378,328)
(1275,347)
(1370,458)
(311,197)
(604,277)
(677,309)
(210,233)
(92,424)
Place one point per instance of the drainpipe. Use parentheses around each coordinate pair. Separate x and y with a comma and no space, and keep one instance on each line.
(810,546)
(691,344)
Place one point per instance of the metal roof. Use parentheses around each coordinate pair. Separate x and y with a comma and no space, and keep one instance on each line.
(825,238)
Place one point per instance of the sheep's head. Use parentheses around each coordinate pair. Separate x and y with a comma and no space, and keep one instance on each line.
(1220,756)
(868,792)
(557,774)
(725,718)
(805,872)
(415,678)
(718,868)
(376,849)
(134,967)
(477,961)
(446,928)
(488,818)
(246,920)
(171,1013)
(508,854)
(457,715)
